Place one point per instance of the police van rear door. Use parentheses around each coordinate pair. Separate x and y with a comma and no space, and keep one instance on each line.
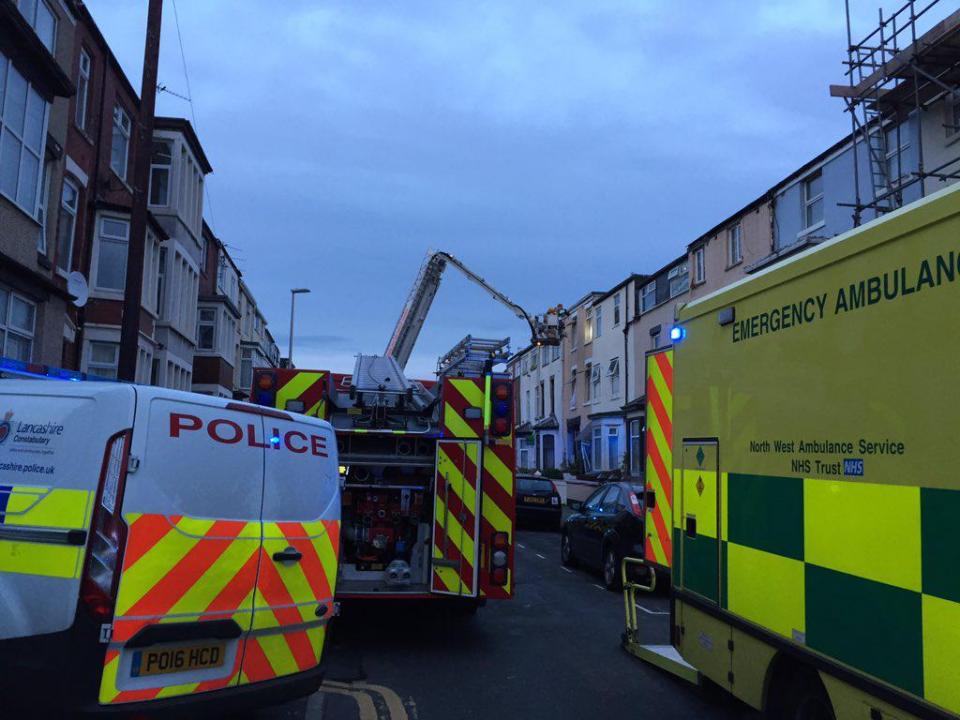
(192,507)
(301,537)
(53,440)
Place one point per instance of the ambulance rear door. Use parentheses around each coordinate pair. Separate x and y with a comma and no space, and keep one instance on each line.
(53,444)
(192,506)
(301,538)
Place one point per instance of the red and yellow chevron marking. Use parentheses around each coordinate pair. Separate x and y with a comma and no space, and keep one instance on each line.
(458,395)
(498,509)
(454,518)
(181,569)
(287,597)
(308,386)
(659,448)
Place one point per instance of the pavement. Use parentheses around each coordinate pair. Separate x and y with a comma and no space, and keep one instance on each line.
(553,651)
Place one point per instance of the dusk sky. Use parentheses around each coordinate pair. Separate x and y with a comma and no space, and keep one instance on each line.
(554,147)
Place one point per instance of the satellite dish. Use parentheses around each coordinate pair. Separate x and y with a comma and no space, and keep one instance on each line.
(78,289)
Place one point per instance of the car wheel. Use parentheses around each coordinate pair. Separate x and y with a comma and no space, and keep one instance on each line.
(611,569)
(566,551)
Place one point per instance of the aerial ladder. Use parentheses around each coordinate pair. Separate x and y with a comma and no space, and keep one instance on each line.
(546,329)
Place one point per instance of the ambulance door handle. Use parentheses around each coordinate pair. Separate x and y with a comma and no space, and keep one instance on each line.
(288,555)
(651,499)
(691,526)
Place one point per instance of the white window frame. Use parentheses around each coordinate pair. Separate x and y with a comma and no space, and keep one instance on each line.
(894,156)
(156,167)
(573,388)
(734,245)
(598,322)
(616,309)
(596,382)
(634,437)
(588,328)
(678,278)
(613,372)
(31,18)
(649,291)
(699,266)
(99,238)
(84,74)
(809,201)
(597,448)
(573,335)
(7,327)
(39,154)
(587,381)
(102,365)
(43,207)
(613,459)
(123,125)
(71,216)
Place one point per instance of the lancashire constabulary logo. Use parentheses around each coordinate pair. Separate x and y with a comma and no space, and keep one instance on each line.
(5,426)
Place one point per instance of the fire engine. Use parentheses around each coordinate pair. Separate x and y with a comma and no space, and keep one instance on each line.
(428,465)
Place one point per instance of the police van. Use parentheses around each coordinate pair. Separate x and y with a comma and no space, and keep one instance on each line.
(161,549)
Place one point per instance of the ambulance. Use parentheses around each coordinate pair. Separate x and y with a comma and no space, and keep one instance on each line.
(161,549)
(815,492)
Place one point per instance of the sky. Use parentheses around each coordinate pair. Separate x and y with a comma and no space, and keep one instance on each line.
(554,147)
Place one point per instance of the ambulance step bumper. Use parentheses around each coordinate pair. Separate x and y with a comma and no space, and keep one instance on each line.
(666,658)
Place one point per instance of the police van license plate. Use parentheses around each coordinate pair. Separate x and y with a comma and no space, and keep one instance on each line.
(159,661)
(535,500)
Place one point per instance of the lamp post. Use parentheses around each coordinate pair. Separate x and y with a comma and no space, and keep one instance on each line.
(293,296)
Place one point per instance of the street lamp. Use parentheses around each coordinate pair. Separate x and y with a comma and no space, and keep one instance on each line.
(293,296)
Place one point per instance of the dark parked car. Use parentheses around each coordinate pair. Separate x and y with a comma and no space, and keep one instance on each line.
(538,501)
(604,529)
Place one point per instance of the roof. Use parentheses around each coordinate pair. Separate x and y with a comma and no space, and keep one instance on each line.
(611,291)
(182,125)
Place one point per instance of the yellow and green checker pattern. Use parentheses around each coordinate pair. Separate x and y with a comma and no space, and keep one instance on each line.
(865,573)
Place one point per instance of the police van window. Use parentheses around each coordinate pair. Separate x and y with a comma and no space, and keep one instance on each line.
(300,479)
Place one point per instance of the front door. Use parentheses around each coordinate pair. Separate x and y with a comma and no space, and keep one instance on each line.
(456,518)
(700,518)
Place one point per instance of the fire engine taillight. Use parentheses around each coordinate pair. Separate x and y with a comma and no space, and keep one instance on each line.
(499,557)
(501,402)
(108,531)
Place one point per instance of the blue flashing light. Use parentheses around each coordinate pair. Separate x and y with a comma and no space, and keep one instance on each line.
(275,440)
(678,333)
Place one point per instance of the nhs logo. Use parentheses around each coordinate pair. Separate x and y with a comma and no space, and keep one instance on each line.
(853,467)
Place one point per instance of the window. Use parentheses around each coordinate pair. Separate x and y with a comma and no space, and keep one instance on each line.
(161,278)
(527,407)
(42,20)
(206,329)
(616,309)
(593,502)
(83,89)
(699,266)
(598,322)
(42,208)
(611,500)
(120,142)
(553,388)
(734,246)
(597,448)
(573,388)
(66,224)
(586,383)
(554,352)
(613,373)
(588,327)
(813,200)
(23,128)
(635,445)
(655,340)
(113,238)
(595,381)
(544,356)
(649,298)
(679,279)
(102,359)
(896,143)
(246,368)
(539,390)
(524,365)
(613,447)
(17,319)
(573,334)
(160,161)
(952,120)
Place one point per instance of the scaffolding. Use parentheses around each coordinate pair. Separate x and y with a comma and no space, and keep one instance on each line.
(893,74)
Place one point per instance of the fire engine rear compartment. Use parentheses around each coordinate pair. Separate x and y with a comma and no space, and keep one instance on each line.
(387,515)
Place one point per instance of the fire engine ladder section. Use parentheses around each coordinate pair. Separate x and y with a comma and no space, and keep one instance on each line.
(665,657)
(544,330)
(473,356)
(892,75)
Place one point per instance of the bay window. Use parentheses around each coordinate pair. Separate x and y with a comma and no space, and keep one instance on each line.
(102,359)
(17,324)
(113,238)
(23,127)
(66,225)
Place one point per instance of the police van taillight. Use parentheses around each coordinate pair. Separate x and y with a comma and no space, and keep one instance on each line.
(108,532)
(499,555)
